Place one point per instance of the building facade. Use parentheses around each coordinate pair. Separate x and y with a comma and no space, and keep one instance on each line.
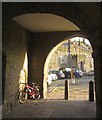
(73,53)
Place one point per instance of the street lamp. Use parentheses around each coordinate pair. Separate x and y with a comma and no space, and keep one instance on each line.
(68,55)
(68,47)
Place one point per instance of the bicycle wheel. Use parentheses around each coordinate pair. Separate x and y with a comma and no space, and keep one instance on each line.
(23,95)
(37,95)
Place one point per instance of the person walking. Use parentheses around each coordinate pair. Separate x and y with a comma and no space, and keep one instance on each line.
(77,75)
(72,76)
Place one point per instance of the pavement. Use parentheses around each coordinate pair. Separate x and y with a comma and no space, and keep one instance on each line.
(55,106)
(53,109)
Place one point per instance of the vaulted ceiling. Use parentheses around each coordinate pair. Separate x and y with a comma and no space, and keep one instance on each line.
(57,16)
(44,22)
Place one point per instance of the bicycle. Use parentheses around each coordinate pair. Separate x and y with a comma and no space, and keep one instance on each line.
(28,92)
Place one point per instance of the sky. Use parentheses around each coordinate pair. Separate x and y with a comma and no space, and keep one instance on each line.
(81,39)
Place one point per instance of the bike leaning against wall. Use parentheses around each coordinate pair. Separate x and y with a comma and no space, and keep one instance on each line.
(27,91)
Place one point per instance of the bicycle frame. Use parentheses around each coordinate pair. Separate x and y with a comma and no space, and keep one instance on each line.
(32,91)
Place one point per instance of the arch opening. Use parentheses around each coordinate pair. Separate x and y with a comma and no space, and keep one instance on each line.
(76,53)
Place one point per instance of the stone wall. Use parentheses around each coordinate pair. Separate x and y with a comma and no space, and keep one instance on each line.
(14,40)
(98,81)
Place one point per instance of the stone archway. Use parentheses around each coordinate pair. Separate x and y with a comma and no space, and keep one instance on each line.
(74,12)
(46,65)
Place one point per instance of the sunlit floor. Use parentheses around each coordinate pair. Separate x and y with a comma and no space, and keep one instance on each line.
(73,94)
(56,90)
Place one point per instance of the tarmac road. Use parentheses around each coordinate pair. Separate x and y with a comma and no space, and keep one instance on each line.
(76,92)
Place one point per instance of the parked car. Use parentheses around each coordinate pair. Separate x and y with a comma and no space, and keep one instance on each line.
(68,69)
(61,75)
(80,73)
(67,72)
(53,74)
(49,79)
(90,73)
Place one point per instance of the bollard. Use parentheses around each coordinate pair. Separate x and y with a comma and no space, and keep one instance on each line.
(91,91)
(66,89)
